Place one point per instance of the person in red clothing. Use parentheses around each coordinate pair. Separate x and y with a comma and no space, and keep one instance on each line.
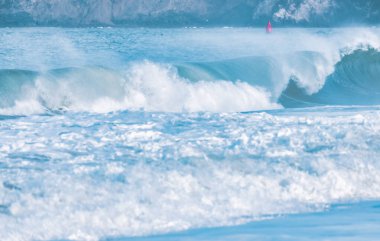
(269,27)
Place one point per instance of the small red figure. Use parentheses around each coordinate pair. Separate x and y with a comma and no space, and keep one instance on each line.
(269,27)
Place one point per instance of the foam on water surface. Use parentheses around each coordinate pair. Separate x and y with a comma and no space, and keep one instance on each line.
(86,177)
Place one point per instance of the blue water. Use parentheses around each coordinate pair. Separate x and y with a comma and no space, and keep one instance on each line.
(340,222)
(189,134)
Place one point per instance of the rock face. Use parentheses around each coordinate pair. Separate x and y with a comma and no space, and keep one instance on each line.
(171,13)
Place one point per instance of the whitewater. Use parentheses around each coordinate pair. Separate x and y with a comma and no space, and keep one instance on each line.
(189,134)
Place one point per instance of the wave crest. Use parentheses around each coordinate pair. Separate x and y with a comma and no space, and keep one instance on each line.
(147,86)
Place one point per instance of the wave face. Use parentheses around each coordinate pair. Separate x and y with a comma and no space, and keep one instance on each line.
(355,81)
(188,12)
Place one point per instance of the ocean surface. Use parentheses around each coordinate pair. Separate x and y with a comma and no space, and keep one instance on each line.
(117,134)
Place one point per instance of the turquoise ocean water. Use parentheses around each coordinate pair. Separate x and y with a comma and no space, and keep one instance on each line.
(189,134)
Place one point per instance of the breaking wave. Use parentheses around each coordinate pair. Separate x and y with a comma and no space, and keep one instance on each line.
(145,86)
(355,81)
(253,83)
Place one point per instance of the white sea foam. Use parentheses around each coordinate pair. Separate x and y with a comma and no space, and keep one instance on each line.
(124,174)
(146,85)
(159,88)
